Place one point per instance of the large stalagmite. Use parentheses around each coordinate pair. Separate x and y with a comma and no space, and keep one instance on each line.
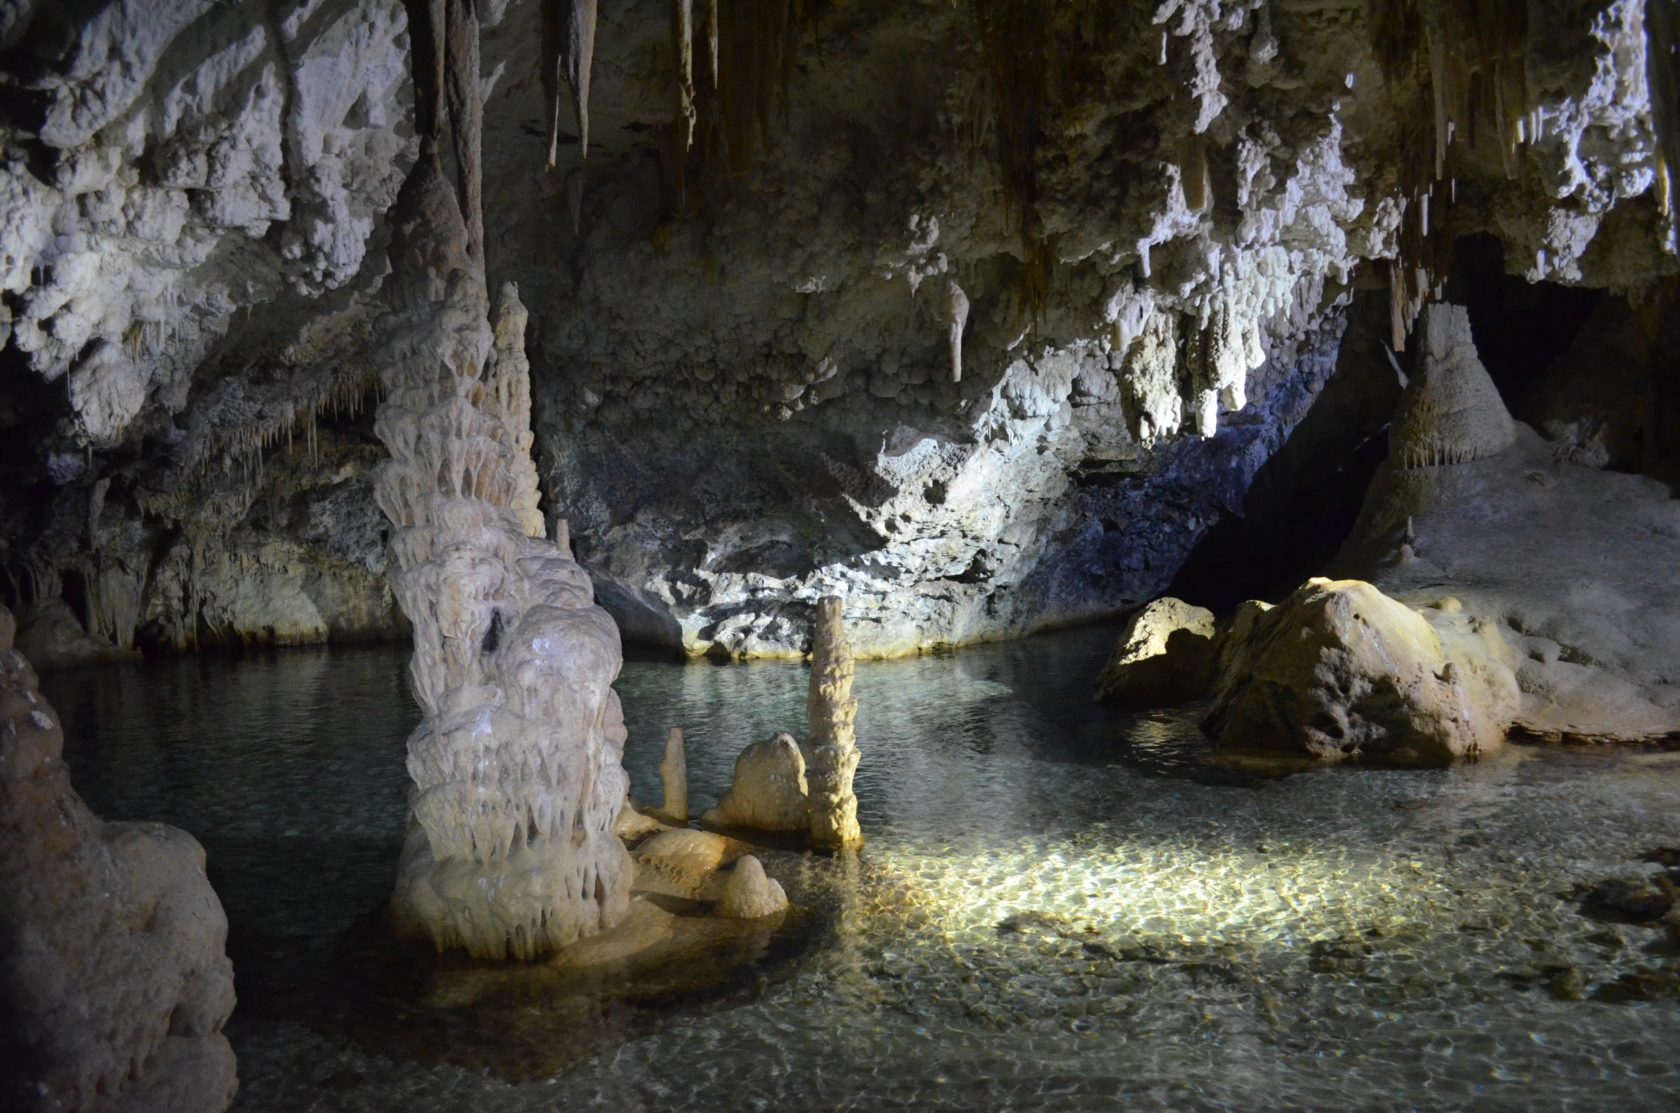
(831,751)
(516,763)
(114,978)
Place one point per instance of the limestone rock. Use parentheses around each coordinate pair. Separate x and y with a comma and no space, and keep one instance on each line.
(1340,671)
(749,894)
(769,791)
(114,981)
(1450,412)
(1569,564)
(673,774)
(831,744)
(1165,656)
(517,761)
(680,862)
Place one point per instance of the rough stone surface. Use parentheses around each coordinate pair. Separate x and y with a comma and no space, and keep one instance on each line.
(1572,565)
(1339,671)
(749,893)
(681,862)
(114,977)
(1165,656)
(518,759)
(769,791)
(746,394)
(831,752)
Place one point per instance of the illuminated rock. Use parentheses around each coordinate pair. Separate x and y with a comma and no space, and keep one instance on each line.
(769,791)
(114,977)
(831,751)
(1165,656)
(1340,671)
(680,862)
(749,893)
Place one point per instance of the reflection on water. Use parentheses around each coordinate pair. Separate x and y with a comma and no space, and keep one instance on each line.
(1058,907)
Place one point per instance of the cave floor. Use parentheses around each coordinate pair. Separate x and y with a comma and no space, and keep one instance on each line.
(1058,907)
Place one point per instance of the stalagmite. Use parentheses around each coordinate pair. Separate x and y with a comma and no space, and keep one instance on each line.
(568,53)
(517,759)
(114,977)
(956,320)
(673,772)
(1450,412)
(750,893)
(831,752)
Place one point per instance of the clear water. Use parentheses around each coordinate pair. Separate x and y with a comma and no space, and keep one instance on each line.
(1058,907)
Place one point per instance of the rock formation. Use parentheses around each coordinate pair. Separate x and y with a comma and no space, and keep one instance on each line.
(114,978)
(195,200)
(517,760)
(1566,563)
(1165,656)
(673,775)
(749,894)
(831,752)
(1339,671)
(1451,412)
(769,790)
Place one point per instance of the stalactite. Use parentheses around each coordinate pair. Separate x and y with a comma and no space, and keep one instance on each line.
(682,41)
(466,116)
(1457,74)
(568,55)
(956,320)
(711,29)
(1662,66)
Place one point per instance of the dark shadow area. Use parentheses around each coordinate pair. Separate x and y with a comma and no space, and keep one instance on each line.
(1520,327)
(1305,499)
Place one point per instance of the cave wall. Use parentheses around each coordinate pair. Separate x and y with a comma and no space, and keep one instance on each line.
(1158,214)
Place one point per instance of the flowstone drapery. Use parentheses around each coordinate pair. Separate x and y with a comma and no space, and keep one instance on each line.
(517,761)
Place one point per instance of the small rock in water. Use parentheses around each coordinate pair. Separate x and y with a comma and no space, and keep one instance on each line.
(1634,902)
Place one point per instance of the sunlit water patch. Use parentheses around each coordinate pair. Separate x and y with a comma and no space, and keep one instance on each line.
(1058,906)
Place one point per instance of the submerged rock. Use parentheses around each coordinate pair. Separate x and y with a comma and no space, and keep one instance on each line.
(114,977)
(1341,671)
(769,792)
(1165,656)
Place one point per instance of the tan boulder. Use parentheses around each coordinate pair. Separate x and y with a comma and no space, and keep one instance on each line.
(769,792)
(1340,671)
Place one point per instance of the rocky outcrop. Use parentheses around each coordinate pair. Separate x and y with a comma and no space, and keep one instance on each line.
(114,977)
(769,791)
(1339,671)
(995,362)
(1179,275)
(1165,656)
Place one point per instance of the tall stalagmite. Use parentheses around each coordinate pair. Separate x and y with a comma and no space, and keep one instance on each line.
(516,763)
(831,752)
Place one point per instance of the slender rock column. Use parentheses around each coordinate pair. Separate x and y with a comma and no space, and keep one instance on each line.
(673,771)
(831,753)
